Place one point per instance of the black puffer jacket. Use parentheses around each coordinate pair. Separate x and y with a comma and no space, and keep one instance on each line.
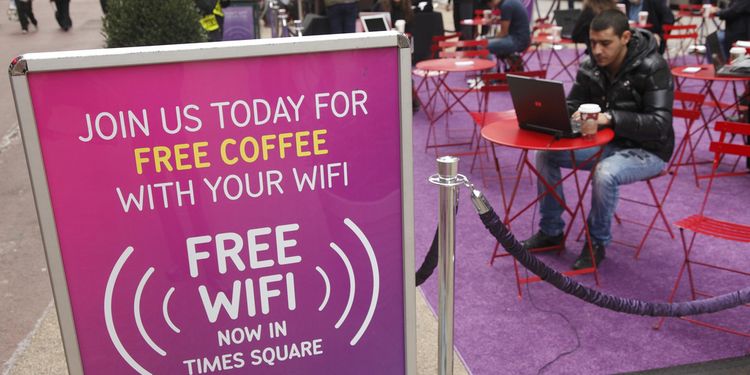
(639,97)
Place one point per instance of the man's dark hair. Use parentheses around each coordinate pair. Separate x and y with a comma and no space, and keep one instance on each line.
(613,18)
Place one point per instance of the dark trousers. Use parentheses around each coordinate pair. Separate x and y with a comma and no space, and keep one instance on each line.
(63,14)
(342,18)
(25,14)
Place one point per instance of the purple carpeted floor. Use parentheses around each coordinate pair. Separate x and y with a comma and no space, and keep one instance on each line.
(498,333)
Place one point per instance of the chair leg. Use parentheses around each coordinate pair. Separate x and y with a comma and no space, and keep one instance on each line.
(687,251)
(677,281)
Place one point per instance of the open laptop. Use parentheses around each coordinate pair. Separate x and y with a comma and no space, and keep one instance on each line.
(567,20)
(540,106)
(741,69)
(375,22)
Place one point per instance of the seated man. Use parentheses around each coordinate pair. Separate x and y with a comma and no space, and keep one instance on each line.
(514,35)
(658,16)
(628,78)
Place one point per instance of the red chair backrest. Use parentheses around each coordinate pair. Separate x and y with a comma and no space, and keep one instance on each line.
(690,105)
(723,147)
(680,31)
(435,46)
(497,82)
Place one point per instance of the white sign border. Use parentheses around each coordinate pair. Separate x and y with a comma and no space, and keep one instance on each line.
(135,56)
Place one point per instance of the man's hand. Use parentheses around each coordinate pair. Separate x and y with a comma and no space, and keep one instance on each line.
(603,120)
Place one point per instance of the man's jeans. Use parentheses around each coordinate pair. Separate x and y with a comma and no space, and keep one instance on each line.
(503,47)
(616,167)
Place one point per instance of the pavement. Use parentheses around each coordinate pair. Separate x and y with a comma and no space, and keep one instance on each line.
(30,342)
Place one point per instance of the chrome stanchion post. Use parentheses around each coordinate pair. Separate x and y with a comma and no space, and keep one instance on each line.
(449,180)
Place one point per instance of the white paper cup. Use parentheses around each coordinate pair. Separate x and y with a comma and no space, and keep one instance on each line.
(556,33)
(622,8)
(736,53)
(698,49)
(707,9)
(642,17)
(487,13)
(589,112)
(400,25)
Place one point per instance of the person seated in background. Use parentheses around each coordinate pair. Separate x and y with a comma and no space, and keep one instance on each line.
(591,8)
(629,79)
(514,35)
(658,15)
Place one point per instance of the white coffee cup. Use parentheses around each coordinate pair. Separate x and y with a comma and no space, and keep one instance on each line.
(622,8)
(642,17)
(400,25)
(487,13)
(736,54)
(707,9)
(697,48)
(556,33)
(589,112)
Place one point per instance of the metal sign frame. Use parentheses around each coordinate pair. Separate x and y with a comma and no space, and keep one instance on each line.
(140,56)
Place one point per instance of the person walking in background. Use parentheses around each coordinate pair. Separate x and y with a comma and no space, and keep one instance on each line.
(342,15)
(591,8)
(213,19)
(25,14)
(62,14)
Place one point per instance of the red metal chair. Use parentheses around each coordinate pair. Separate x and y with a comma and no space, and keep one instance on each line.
(684,35)
(703,224)
(426,78)
(449,37)
(687,108)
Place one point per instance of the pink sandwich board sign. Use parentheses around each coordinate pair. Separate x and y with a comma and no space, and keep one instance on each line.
(239,207)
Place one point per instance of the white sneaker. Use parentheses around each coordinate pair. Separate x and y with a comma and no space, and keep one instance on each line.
(24,31)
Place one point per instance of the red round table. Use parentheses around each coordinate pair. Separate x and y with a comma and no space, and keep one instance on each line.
(455,65)
(707,74)
(506,132)
(443,91)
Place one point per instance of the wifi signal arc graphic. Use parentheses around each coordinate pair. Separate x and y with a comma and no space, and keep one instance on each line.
(112,331)
(352,282)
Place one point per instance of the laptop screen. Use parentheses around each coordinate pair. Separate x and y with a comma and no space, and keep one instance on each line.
(540,105)
(375,23)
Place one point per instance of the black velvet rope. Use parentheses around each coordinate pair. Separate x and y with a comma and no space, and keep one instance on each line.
(624,305)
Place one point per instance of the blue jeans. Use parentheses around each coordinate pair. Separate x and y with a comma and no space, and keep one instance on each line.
(342,18)
(616,167)
(503,47)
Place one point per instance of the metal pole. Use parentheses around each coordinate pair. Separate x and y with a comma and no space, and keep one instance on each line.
(448,179)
